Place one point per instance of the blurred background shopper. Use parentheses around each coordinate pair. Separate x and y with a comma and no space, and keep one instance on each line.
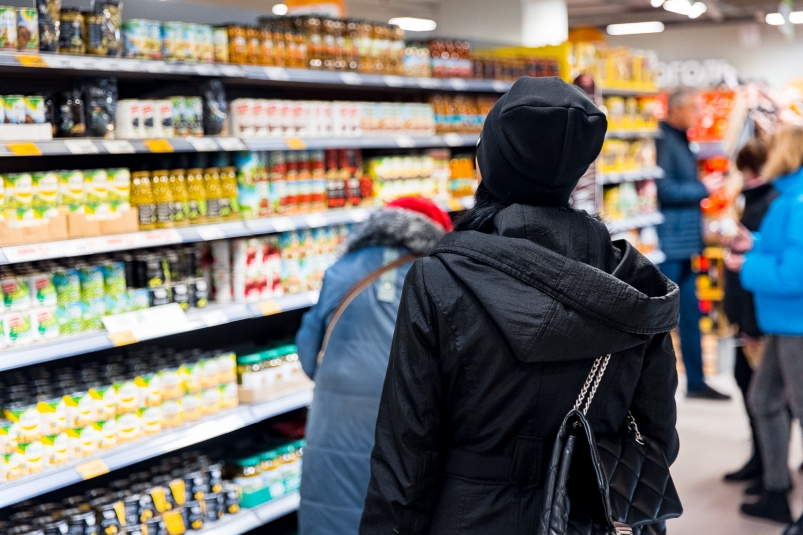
(348,381)
(770,262)
(681,234)
(499,327)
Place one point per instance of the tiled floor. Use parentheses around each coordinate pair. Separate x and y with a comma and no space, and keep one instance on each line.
(714,440)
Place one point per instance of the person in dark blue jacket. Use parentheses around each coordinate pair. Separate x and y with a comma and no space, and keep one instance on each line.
(681,234)
(770,263)
(348,381)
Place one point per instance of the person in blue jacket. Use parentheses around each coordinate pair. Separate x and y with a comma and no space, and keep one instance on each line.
(770,263)
(681,234)
(348,381)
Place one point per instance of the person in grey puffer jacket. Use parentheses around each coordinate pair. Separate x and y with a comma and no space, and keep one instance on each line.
(348,382)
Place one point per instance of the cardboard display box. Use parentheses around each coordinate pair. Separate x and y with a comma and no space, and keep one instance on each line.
(68,226)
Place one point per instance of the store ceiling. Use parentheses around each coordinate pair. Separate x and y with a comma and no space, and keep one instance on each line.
(604,12)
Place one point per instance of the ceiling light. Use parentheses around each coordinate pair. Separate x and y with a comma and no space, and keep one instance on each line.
(635,27)
(280,9)
(681,7)
(412,24)
(697,9)
(776,19)
(656,3)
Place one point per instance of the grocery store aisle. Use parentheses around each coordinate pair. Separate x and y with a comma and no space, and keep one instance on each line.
(714,439)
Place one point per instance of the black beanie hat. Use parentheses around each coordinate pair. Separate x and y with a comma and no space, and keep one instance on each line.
(538,140)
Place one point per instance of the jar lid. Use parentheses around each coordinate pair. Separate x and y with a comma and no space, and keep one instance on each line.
(249,359)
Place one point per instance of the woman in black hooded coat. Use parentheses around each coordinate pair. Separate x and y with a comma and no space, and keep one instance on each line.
(498,328)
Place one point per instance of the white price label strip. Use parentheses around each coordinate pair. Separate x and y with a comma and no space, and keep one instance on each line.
(458,84)
(231,144)
(232,71)
(405,141)
(81,146)
(394,81)
(351,78)
(315,220)
(203,144)
(453,140)
(282,224)
(276,73)
(217,317)
(500,87)
(149,323)
(119,146)
(211,233)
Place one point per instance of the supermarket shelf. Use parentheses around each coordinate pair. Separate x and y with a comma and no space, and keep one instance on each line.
(65,147)
(612,91)
(214,231)
(70,345)
(656,257)
(708,149)
(248,519)
(136,68)
(631,134)
(630,176)
(245,415)
(639,221)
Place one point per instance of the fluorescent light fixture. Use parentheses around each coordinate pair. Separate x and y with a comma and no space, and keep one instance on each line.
(412,24)
(635,27)
(681,7)
(656,3)
(776,19)
(279,9)
(697,9)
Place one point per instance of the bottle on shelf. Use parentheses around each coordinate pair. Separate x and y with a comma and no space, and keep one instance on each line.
(142,199)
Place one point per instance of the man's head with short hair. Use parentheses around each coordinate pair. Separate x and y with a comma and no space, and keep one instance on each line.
(682,109)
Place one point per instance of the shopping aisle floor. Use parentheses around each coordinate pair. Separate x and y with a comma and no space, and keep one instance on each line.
(714,439)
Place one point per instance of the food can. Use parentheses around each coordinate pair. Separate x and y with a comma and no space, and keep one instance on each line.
(194,514)
(67,283)
(134,38)
(14,108)
(215,507)
(231,495)
(8,28)
(128,119)
(34,109)
(188,50)
(207,40)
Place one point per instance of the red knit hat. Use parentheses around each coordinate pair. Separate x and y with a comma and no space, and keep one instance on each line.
(425,207)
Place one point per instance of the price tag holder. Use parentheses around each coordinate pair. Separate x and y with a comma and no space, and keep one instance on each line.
(119,146)
(31,61)
(295,143)
(81,146)
(350,78)
(147,323)
(268,308)
(204,70)
(405,141)
(24,149)
(217,317)
(123,338)
(158,145)
(231,144)
(232,71)
(212,232)
(91,469)
(276,73)
(203,144)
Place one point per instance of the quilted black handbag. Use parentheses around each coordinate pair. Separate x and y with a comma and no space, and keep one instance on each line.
(606,485)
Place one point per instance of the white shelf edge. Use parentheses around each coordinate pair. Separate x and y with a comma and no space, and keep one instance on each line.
(150,447)
(630,176)
(640,221)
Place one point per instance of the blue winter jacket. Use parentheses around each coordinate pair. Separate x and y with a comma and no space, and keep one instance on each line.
(348,383)
(679,193)
(773,269)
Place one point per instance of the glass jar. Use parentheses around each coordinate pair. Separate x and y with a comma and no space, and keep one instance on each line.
(249,372)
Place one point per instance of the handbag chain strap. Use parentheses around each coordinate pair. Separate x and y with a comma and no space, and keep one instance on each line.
(590,389)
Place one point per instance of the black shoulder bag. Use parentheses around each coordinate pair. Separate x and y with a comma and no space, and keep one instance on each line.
(606,485)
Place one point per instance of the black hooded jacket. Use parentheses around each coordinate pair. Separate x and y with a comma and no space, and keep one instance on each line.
(495,336)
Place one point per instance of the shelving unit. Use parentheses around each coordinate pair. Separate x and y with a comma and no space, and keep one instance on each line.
(248,519)
(631,134)
(639,221)
(612,91)
(150,447)
(631,176)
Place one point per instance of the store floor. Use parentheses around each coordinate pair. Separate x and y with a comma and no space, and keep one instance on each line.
(714,439)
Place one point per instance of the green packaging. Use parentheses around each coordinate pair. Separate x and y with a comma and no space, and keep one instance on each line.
(8,28)
(16,294)
(92,284)
(34,109)
(92,310)
(68,285)
(114,277)
(69,317)
(43,291)
(45,195)
(119,185)
(44,323)
(71,190)
(96,193)
(19,199)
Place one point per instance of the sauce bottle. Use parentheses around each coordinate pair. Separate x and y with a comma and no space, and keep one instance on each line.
(163,198)
(214,193)
(196,196)
(142,199)
(178,187)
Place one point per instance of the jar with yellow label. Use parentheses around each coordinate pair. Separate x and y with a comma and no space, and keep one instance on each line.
(229,207)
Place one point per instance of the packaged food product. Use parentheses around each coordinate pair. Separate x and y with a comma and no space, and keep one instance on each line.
(9,437)
(48,16)
(45,199)
(17,327)
(83,441)
(80,408)
(211,401)
(172,413)
(128,119)
(149,128)
(106,431)
(100,103)
(152,419)
(163,116)
(31,457)
(8,28)
(94,34)
(67,283)
(214,108)
(56,449)
(26,421)
(105,399)
(112,23)
(14,108)
(69,318)
(221,45)
(194,116)
(10,467)
(172,40)
(44,323)
(16,292)
(71,28)
(135,38)
(142,198)
(129,426)
(34,109)
(52,415)
(119,189)
(229,397)
(71,191)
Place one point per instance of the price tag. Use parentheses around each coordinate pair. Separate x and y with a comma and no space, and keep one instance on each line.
(132,65)
(81,146)
(269,308)
(89,65)
(295,143)
(148,323)
(231,144)
(123,338)
(31,61)
(351,78)
(232,71)
(158,145)
(405,141)
(458,84)
(282,224)
(119,146)
(394,81)
(24,149)
(276,73)
(211,319)
(500,87)
(93,468)
(155,66)
(203,144)
(454,140)
(211,232)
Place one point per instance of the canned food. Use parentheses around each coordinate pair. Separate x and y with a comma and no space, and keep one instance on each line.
(172,40)
(231,495)
(28,29)
(194,514)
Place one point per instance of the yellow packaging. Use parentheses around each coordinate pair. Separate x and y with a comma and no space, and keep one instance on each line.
(150,390)
(172,413)
(31,457)
(96,192)
(119,189)
(83,441)
(45,195)
(105,400)
(152,420)
(229,397)
(56,449)
(19,199)
(26,422)
(80,409)
(171,383)
(227,368)
(191,376)
(52,416)
(10,469)
(129,426)
(9,436)
(211,401)
(106,431)
(191,407)
(71,191)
